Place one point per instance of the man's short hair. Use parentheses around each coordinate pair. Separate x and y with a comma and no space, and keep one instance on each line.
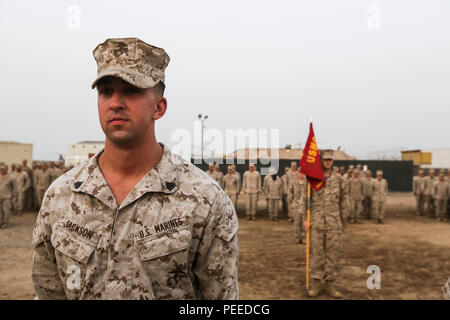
(160,87)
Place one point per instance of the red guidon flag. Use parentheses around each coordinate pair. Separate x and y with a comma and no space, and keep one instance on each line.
(310,164)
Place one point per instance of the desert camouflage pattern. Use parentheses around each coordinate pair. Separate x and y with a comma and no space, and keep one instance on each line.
(273,189)
(379,198)
(132,60)
(419,185)
(173,237)
(231,186)
(43,179)
(429,183)
(8,186)
(325,248)
(380,190)
(441,192)
(355,196)
(251,182)
(328,206)
(296,192)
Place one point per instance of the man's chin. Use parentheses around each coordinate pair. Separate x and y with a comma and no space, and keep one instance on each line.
(122,140)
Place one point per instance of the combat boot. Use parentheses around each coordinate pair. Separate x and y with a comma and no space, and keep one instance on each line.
(331,290)
(315,289)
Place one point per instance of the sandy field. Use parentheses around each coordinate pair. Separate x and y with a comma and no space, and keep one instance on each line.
(413,254)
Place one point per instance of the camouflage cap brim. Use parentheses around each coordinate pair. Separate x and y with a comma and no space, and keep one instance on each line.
(133,79)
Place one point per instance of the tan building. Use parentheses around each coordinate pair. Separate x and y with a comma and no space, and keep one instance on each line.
(83,150)
(282,153)
(15,152)
(428,158)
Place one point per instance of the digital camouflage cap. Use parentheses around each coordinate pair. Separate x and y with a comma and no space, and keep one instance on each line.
(132,60)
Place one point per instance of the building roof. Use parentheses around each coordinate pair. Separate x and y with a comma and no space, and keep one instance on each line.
(90,142)
(289,154)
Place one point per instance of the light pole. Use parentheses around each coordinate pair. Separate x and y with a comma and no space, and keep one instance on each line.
(202,120)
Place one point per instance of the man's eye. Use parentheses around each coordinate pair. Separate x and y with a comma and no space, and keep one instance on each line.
(132,90)
(106,91)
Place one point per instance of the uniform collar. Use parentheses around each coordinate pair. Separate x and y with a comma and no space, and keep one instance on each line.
(161,178)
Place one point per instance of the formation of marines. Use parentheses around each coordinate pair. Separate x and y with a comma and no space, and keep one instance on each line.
(432,194)
(365,196)
(22,187)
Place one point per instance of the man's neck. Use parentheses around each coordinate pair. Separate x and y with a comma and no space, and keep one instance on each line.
(326,172)
(130,162)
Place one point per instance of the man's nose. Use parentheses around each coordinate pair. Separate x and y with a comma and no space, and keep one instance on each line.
(117,100)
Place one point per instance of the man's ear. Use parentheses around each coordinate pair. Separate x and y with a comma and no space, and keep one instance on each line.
(161,107)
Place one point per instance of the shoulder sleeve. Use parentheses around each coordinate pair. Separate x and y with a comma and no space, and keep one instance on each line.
(44,271)
(217,256)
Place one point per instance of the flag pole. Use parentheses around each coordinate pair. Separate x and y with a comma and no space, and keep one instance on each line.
(308,219)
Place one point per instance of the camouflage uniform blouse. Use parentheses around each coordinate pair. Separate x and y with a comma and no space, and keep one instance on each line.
(173,237)
(328,205)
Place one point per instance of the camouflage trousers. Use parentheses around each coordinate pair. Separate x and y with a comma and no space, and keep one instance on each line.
(290,210)
(367,207)
(5,211)
(14,203)
(441,208)
(29,198)
(299,233)
(40,196)
(325,247)
(355,208)
(285,204)
(430,206)
(378,209)
(21,200)
(251,201)
(273,207)
(420,200)
(233,197)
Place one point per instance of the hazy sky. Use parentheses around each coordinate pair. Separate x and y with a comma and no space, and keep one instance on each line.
(374,75)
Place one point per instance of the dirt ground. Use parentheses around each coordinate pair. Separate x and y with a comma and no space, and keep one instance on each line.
(412,252)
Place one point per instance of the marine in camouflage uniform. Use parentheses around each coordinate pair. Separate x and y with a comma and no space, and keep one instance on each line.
(43,181)
(355,187)
(367,191)
(419,187)
(29,194)
(327,223)
(441,193)
(430,208)
(297,190)
(291,175)
(219,175)
(231,185)
(8,189)
(284,200)
(212,172)
(251,186)
(22,186)
(238,176)
(273,189)
(173,236)
(380,192)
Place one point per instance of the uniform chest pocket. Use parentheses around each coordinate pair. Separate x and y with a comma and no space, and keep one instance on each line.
(75,247)
(164,244)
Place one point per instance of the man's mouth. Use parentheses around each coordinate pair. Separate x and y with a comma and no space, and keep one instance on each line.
(118,120)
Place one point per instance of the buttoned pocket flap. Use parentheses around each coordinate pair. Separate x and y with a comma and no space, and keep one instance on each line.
(166,244)
(72,245)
